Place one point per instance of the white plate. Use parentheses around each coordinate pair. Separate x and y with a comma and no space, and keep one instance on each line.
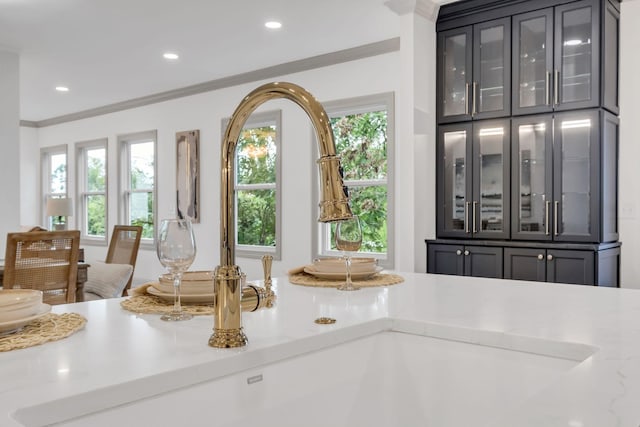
(341,276)
(205,276)
(15,325)
(337,265)
(14,298)
(185,298)
(17,312)
(186,288)
(193,282)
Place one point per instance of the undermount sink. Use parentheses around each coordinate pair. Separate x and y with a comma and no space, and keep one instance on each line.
(388,378)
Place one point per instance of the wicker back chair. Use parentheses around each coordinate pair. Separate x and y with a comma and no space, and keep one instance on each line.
(46,260)
(123,248)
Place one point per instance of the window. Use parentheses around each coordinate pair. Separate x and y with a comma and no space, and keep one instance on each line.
(138,182)
(53,162)
(257,186)
(91,157)
(363,132)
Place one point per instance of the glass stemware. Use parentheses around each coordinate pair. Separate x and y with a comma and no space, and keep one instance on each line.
(348,240)
(176,248)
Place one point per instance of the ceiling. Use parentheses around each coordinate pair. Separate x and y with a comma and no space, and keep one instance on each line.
(110,51)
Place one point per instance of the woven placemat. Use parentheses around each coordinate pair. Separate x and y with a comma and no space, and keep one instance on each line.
(51,327)
(380,279)
(148,304)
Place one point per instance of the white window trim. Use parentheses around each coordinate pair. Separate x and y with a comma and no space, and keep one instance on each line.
(81,222)
(124,141)
(45,168)
(357,105)
(261,119)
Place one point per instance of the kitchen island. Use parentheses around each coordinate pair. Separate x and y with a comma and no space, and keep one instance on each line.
(122,361)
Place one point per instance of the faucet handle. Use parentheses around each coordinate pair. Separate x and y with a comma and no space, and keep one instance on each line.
(266,266)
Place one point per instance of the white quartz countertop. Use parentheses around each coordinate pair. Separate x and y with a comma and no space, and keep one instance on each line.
(122,357)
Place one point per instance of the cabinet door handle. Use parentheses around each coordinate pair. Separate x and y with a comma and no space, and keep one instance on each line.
(475,230)
(547,87)
(466,252)
(466,93)
(540,257)
(556,87)
(555,217)
(549,257)
(466,217)
(458,252)
(474,108)
(547,206)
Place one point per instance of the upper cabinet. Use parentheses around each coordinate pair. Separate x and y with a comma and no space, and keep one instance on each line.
(564,177)
(473,179)
(556,60)
(526,58)
(474,71)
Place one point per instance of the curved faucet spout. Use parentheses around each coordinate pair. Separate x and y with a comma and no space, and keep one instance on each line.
(334,203)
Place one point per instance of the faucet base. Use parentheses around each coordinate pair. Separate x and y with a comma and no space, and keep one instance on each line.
(228,338)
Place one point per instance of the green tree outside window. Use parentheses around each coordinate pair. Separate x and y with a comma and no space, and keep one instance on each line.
(361,142)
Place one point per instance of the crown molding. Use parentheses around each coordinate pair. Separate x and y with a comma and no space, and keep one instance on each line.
(426,8)
(28,124)
(319,61)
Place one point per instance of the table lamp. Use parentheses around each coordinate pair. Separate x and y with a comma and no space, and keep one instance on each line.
(59,207)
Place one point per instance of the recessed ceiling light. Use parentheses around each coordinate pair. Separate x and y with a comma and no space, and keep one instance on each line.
(171,56)
(273,25)
(62,89)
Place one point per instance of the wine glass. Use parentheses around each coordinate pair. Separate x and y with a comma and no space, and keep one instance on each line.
(176,248)
(348,239)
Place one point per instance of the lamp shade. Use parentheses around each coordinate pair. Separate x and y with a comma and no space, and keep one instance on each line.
(61,206)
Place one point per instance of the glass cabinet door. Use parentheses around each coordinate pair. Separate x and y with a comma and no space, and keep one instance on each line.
(532,178)
(490,206)
(454,180)
(491,86)
(576,177)
(532,61)
(454,74)
(576,55)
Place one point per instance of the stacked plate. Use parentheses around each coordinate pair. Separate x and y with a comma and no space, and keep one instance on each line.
(335,268)
(196,287)
(19,307)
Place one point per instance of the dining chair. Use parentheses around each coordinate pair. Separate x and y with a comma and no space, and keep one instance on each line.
(46,261)
(123,248)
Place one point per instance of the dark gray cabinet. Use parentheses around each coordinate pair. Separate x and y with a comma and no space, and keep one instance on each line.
(474,72)
(527,141)
(564,170)
(465,260)
(557,58)
(584,267)
(473,179)
(550,265)
(572,263)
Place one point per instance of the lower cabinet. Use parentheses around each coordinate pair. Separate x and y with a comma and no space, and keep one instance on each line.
(572,263)
(465,260)
(550,265)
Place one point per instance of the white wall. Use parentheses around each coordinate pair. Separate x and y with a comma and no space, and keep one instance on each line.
(29,177)
(9,138)
(205,112)
(629,206)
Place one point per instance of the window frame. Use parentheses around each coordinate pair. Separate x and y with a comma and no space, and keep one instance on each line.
(125,141)
(45,179)
(81,149)
(322,234)
(255,120)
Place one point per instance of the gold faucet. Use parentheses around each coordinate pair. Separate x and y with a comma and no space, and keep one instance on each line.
(334,205)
